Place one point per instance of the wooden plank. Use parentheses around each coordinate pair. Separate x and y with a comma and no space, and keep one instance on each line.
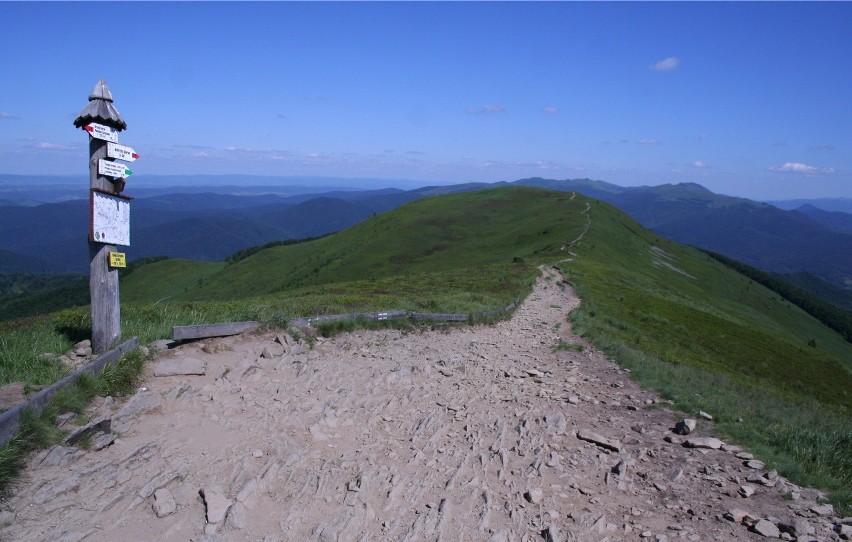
(10,420)
(203,331)
(439,317)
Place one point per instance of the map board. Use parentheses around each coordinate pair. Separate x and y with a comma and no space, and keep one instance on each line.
(110,222)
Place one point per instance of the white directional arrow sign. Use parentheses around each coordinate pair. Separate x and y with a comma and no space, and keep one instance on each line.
(113,169)
(99,131)
(114,150)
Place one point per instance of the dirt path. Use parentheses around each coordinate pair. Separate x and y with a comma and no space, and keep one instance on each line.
(469,433)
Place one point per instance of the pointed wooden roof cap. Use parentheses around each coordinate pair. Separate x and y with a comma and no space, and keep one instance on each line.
(100,109)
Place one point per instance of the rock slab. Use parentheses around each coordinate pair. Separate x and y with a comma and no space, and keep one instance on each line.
(164,503)
(603,442)
(180,367)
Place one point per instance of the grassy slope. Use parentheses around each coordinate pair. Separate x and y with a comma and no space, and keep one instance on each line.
(166,279)
(718,320)
(712,339)
(447,235)
(718,342)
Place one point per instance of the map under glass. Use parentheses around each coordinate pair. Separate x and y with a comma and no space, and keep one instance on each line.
(110,219)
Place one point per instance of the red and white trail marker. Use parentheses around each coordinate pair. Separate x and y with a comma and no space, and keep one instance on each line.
(121,152)
(99,131)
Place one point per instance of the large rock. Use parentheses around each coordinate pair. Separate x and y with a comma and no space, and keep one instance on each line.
(99,424)
(141,402)
(685,426)
(164,503)
(796,528)
(237,516)
(703,442)
(766,528)
(746,491)
(534,495)
(824,510)
(603,442)
(216,504)
(736,515)
(180,367)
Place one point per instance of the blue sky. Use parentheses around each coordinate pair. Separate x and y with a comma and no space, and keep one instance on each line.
(749,99)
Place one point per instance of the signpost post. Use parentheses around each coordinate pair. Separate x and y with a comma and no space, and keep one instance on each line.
(102,121)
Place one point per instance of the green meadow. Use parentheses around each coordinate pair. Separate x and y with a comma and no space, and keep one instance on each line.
(776,379)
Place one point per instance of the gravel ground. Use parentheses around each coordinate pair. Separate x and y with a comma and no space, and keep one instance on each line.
(462,433)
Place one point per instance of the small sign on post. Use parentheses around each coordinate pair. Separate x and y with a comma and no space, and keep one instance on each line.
(121,152)
(117,260)
(113,169)
(102,132)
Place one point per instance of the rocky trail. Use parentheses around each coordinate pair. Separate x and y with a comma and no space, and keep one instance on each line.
(457,434)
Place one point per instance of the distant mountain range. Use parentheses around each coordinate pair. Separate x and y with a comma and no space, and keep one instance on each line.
(843,205)
(51,238)
(31,190)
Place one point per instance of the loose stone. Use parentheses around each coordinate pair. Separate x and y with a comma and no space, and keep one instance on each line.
(703,442)
(164,503)
(766,528)
(685,426)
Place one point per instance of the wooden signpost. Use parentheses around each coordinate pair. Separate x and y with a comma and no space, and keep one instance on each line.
(109,212)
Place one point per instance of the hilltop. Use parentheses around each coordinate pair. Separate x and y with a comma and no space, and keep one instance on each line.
(684,324)
(809,246)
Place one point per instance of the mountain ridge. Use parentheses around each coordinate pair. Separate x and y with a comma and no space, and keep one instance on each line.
(756,233)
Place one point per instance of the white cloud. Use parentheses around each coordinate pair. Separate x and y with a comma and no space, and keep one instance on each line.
(822,147)
(189,146)
(649,141)
(54,146)
(698,164)
(491,108)
(7,115)
(666,64)
(550,110)
(702,137)
(797,167)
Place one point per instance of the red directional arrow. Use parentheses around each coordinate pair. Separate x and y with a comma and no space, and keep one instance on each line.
(100,131)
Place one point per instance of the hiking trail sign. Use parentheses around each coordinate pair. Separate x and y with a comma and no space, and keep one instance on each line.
(109,219)
(102,132)
(121,152)
(113,169)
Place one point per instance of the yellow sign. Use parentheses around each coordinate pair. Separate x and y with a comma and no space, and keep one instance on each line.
(116,259)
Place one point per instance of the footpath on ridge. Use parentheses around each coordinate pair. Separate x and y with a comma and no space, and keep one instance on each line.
(464,433)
